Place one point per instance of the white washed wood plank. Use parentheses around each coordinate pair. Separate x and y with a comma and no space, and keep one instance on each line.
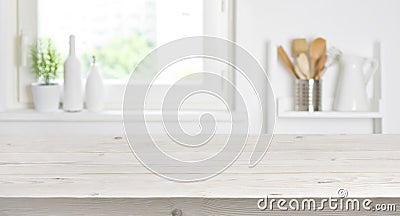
(271,168)
(365,165)
(222,186)
(327,158)
(117,143)
(151,207)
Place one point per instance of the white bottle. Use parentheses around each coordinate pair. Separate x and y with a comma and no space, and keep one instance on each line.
(94,89)
(73,100)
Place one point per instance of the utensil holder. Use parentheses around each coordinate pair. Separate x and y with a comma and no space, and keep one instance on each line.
(308,95)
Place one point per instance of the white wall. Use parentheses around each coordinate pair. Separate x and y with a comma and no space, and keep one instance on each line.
(8,60)
(351,25)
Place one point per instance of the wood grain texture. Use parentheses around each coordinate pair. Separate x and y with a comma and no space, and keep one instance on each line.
(156,207)
(68,172)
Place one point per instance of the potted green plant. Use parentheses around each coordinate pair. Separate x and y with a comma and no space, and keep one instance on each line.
(46,63)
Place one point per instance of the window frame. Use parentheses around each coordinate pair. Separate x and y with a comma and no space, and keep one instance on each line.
(27,20)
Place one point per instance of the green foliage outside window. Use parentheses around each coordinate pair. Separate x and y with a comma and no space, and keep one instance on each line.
(118,57)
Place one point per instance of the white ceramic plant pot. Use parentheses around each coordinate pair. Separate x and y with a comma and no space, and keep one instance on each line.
(46,97)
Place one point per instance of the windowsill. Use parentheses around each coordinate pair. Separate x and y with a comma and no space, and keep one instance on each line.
(30,115)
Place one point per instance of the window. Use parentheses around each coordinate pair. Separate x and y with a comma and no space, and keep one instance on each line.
(120,33)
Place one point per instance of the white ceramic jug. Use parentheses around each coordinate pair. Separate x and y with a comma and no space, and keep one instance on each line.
(351,91)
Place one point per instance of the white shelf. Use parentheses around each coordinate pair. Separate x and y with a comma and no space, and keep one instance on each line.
(24,115)
(328,120)
(286,104)
(330,114)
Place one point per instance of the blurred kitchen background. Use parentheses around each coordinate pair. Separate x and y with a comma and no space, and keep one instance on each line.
(121,32)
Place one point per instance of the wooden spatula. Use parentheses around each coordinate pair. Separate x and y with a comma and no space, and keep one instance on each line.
(317,50)
(299,46)
(285,58)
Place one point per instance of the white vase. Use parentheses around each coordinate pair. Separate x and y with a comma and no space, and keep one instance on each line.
(46,98)
(94,89)
(73,100)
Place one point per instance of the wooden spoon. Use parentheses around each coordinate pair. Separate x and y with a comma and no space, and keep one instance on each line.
(304,65)
(285,58)
(317,50)
(321,67)
(299,73)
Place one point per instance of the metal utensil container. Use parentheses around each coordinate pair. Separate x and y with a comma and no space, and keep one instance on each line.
(308,95)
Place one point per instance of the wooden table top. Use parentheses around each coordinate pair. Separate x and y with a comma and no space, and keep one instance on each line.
(295,166)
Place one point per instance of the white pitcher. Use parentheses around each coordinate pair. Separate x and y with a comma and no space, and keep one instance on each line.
(351,91)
